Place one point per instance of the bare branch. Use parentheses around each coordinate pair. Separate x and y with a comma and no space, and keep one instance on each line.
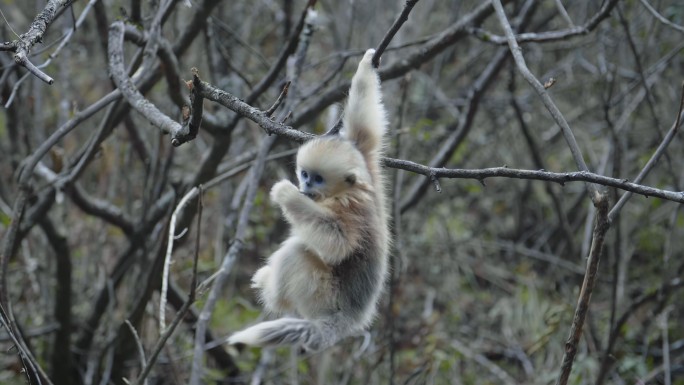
(403,16)
(101,209)
(169,250)
(21,59)
(661,18)
(228,260)
(281,97)
(22,46)
(148,110)
(615,211)
(224,98)
(427,51)
(495,369)
(543,175)
(546,99)
(138,344)
(551,36)
(180,315)
(601,226)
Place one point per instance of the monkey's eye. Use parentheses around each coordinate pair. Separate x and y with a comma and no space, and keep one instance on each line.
(318,179)
(305,174)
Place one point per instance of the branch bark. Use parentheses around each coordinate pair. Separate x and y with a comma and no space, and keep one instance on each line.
(601,226)
(557,116)
(22,46)
(271,127)
(149,111)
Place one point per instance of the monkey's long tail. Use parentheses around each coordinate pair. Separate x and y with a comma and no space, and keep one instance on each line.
(311,335)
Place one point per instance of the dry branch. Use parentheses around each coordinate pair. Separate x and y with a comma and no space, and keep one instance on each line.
(149,111)
(401,19)
(615,211)
(557,116)
(22,46)
(601,226)
(180,315)
(551,36)
(210,92)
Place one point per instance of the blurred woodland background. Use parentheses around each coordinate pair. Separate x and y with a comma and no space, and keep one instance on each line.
(496,276)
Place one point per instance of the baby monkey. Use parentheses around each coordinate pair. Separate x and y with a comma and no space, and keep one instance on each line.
(331,270)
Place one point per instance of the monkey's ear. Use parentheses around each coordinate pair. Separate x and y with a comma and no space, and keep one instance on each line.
(350,179)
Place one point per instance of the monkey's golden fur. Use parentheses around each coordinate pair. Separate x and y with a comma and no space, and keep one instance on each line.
(331,270)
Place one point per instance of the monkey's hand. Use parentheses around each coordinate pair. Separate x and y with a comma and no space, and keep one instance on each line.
(282,191)
(364,79)
(261,277)
(367,60)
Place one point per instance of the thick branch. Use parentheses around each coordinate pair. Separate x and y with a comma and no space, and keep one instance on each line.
(23,45)
(101,209)
(61,356)
(117,71)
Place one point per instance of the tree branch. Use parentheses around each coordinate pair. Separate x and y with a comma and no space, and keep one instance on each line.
(550,36)
(271,127)
(601,226)
(615,211)
(403,16)
(149,111)
(544,95)
(22,46)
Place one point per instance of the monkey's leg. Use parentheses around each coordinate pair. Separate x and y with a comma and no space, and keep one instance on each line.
(268,282)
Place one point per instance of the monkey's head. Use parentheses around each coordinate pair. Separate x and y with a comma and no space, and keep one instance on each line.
(327,167)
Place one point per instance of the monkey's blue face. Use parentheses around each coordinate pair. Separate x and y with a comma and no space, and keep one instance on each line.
(311,183)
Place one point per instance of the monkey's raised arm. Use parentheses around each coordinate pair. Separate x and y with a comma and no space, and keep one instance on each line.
(365,120)
(316,225)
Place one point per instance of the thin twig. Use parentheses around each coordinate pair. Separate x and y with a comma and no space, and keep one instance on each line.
(660,17)
(403,16)
(543,175)
(615,211)
(661,294)
(495,369)
(228,260)
(224,98)
(55,53)
(180,315)
(138,344)
(169,251)
(281,97)
(601,226)
(544,95)
(551,36)
(564,13)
